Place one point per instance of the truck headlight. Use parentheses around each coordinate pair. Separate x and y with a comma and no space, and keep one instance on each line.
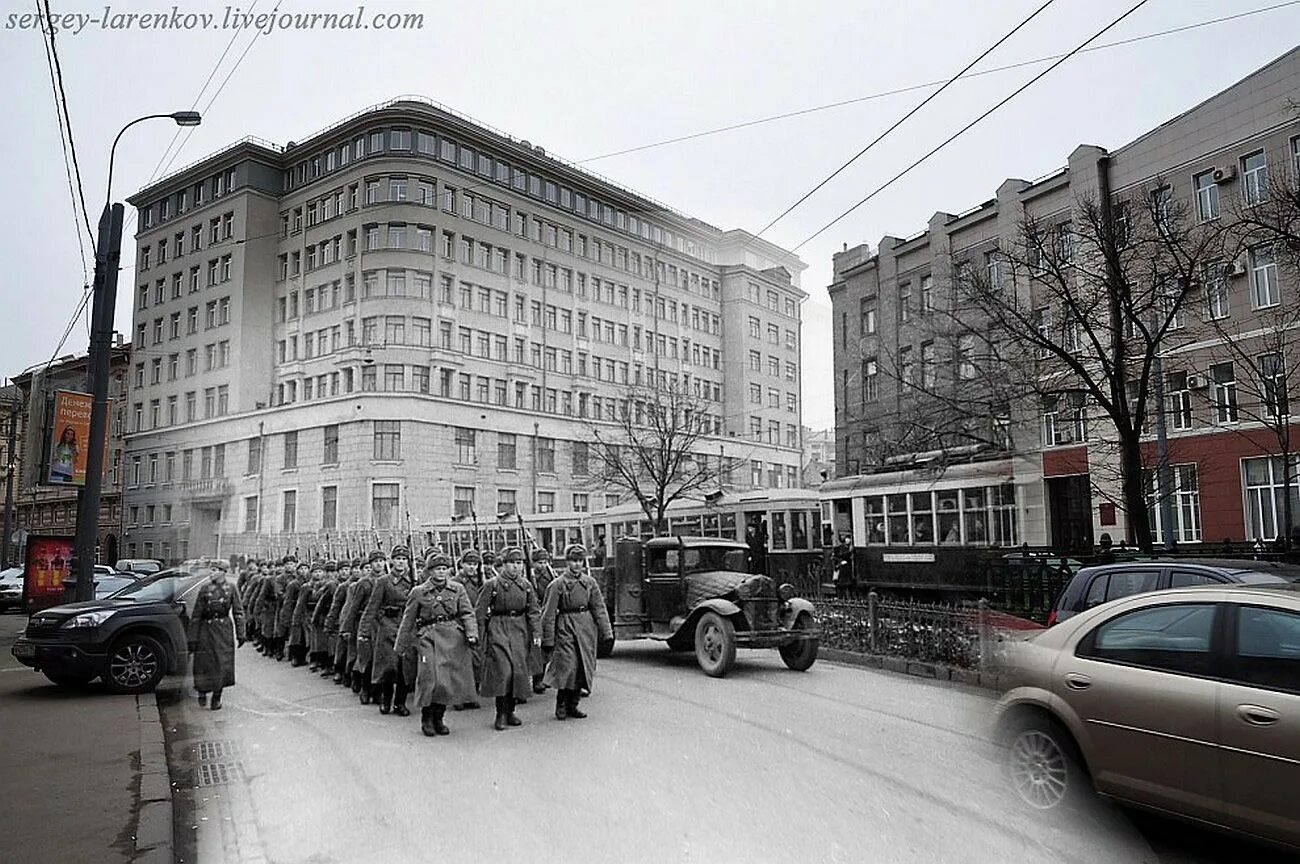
(88,619)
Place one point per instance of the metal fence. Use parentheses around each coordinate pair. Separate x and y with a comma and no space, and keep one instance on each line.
(951,634)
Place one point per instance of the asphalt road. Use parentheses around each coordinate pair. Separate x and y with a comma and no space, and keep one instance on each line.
(836,764)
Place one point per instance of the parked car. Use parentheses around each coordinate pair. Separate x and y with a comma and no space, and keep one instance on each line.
(131,639)
(144,566)
(107,581)
(696,592)
(11,589)
(1185,701)
(1093,586)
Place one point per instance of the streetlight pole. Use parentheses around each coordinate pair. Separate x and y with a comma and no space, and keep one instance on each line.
(108,253)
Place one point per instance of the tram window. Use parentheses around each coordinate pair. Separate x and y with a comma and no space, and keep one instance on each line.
(778,529)
(922,517)
(816,538)
(899,528)
(977,518)
(875,507)
(949,517)
(729,526)
(798,529)
(711,525)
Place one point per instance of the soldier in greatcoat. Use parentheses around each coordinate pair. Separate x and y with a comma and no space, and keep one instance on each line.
(377,564)
(215,628)
(509,619)
(574,618)
(247,598)
(321,650)
(438,622)
(383,615)
(338,647)
(470,575)
(542,575)
(268,601)
(284,614)
(298,619)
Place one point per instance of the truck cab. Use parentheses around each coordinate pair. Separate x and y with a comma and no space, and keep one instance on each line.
(697,593)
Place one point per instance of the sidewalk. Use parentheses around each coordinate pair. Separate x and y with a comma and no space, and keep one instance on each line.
(83,774)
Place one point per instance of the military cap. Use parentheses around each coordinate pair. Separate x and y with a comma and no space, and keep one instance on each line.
(318,564)
(575,552)
(437,558)
(512,553)
(400,552)
(357,562)
(540,554)
(377,555)
(472,556)
(331,567)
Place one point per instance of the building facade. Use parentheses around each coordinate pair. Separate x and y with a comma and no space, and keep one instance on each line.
(51,509)
(411,316)
(1044,472)
(818,456)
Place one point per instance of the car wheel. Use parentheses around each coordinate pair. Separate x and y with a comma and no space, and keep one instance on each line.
(715,644)
(68,679)
(135,665)
(1041,764)
(801,655)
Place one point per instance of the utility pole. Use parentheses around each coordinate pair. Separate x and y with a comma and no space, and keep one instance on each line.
(9,484)
(103,300)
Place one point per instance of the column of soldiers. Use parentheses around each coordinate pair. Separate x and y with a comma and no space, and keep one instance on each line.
(499,627)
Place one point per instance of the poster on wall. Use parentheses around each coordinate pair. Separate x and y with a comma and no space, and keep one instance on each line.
(69,438)
(49,561)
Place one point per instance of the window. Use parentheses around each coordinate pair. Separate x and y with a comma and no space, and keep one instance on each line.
(1254,178)
(1186,505)
(1273,384)
(1268,649)
(250,513)
(1178,400)
(1215,276)
(291,449)
(506,450)
(1264,490)
(331,454)
(1225,393)
(388,440)
(466,449)
(462,501)
(1263,277)
(329,507)
(545,502)
(254,455)
(1207,196)
(868,318)
(384,500)
(546,455)
(870,380)
(289,519)
(1171,638)
(581,458)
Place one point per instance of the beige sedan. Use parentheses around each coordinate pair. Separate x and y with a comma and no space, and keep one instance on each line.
(1184,701)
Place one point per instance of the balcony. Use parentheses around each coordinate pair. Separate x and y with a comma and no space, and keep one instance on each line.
(211,489)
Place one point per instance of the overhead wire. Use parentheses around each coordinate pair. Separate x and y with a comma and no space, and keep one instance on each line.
(1022,88)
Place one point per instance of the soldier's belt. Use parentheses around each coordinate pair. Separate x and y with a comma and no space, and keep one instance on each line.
(509,613)
(391,611)
(440,619)
(573,611)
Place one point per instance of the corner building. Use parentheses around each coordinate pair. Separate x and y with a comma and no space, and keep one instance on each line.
(411,313)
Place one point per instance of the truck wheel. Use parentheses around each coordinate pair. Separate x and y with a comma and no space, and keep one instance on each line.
(715,644)
(68,679)
(135,665)
(801,655)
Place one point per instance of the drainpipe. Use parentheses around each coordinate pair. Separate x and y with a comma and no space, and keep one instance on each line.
(536,429)
(261,473)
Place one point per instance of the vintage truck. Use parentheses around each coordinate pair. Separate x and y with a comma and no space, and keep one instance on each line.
(695,593)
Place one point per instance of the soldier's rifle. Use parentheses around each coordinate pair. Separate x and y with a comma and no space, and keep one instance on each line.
(410,545)
(474,515)
(528,547)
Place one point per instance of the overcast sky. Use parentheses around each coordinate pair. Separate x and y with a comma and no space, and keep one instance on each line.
(584,79)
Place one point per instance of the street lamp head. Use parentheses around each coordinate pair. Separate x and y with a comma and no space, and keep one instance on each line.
(187,118)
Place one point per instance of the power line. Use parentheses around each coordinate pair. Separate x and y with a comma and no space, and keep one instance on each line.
(63,100)
(969,125)
(922,86)
(986,52)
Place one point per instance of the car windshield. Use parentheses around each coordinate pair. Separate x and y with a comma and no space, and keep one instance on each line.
(1280,576)
(168,585)
(715,558)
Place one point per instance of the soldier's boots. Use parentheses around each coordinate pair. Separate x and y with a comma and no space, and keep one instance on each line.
(574,711)
(511,719)
(216,700)
(354,681)
(539,686)
(561,704)
(426,721)
(399,701)
(503,709)
(366,690)
(386,697)
(440,711)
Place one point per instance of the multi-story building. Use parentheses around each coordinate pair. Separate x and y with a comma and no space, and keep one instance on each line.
(410,313)
(1045,471)
(818,456)
(52,509)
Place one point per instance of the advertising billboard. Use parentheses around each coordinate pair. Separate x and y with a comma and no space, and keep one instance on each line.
(49,562)
(69,439)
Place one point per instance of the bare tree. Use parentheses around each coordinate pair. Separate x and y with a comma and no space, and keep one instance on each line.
(654,448)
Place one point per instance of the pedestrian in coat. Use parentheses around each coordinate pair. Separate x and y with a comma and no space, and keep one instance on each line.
(509,619)
(214,630)
(383,615)
(363,656)
(438,622)
(542,574)
(470,575)
(573,619)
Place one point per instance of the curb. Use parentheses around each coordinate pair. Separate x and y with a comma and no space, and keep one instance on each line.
(902,666)
(153,836)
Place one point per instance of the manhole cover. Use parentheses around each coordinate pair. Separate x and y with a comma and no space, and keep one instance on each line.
(215,751)
(216,773)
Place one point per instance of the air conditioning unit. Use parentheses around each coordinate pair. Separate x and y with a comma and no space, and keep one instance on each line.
(1238,268)
(1226,174)
(1197,382)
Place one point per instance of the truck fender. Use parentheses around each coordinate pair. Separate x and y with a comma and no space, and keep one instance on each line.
(722,606)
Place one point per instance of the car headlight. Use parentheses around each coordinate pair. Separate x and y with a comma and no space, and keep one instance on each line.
(89,619)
